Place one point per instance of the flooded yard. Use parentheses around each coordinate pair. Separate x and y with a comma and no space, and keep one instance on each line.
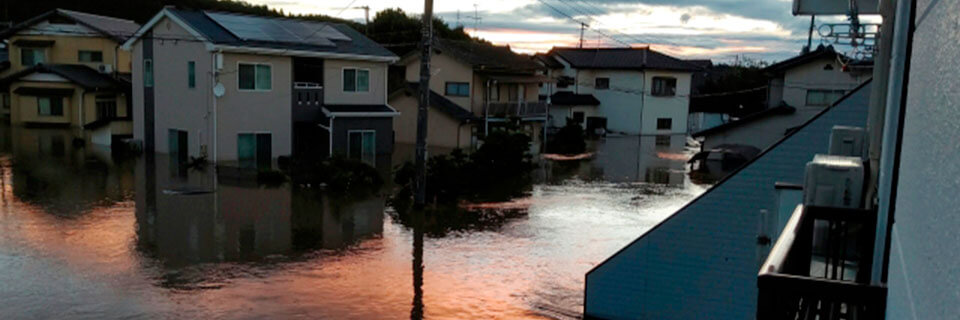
(87,234)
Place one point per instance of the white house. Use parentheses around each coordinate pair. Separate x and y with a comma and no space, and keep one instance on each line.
(637,90)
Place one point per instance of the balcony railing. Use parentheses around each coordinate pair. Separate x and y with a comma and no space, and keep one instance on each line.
(307,101)
(517,109)
(820,268)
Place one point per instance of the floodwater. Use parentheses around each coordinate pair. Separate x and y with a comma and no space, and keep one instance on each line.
(87,234)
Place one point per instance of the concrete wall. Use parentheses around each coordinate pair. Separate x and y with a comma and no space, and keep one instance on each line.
(66,47)
(702,261)
(925,250)
(442,130)
(333,82)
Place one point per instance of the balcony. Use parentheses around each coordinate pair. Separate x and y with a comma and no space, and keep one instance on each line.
(520,109)
(820,268)
(307,101)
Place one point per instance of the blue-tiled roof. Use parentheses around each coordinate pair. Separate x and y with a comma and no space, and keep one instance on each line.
(214,32)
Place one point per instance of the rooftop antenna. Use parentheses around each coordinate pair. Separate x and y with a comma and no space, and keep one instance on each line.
(476,20)
(458,18)
(366,17)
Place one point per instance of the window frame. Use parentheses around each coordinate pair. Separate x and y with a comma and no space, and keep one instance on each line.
(657,93)
(255,76)
(669,122)
(361,132)
(92,53)
(660,143)
(256,150)
(148,75)
(597,81)
(43,53)
(51,99)
(459,85)
(356,80)
(192,75)
(100,106)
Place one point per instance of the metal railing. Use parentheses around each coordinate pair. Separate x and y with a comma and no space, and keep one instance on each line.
(520,109)
(819,268)
(306,94)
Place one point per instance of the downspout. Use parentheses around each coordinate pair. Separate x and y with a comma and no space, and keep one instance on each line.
(892,136)
(330,136)
(216,134)
(643,94)
(83,96)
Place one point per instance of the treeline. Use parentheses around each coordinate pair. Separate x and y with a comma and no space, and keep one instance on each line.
(393,28)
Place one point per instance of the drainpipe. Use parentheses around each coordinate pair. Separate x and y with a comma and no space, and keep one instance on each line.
(892,136)
(878,96)
(330,136)
(216,133)
(83,95)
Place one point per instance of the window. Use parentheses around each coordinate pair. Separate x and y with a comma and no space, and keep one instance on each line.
(664,123)
(823,97)
(564,81)
(31,56)
(177,146)
(602,83)
(89,56)
(106,108)
(363,146)
(191,74)
(663,141)
(664,86)
(50,106)
(255,77)
(578,117)
(356,80)
(458,89)
(148,73)
(254,150)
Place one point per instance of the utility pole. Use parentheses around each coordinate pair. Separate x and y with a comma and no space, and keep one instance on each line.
(420,180)
(366,18)
(476,20)
(583,26)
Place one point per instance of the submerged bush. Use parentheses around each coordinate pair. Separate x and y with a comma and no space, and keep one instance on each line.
(568,140)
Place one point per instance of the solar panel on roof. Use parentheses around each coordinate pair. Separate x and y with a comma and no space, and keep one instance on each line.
(278,30)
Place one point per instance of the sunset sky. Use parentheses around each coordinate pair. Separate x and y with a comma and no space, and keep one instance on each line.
(715,29)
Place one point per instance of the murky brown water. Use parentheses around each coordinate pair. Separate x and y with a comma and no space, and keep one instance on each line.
(83,236)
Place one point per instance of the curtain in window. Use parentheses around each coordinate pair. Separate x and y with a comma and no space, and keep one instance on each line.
(263,77)
(43,106)
(363,80)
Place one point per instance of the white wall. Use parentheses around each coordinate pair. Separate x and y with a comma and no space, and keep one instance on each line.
(240,111)
(333,82)
(925,252)
(809,76)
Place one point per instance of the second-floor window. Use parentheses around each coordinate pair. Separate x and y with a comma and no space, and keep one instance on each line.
(106,107)
(602,83)
(50,106)
(458,89)
(255,76)
(89,56)
(664,87)
(823,97)
(356,80)
(31,56)
(148,73)
(664,123)
(191,74)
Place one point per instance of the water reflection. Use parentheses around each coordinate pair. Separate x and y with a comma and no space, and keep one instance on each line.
(85,232)
(622,159)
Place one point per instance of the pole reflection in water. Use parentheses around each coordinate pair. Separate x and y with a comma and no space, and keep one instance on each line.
(416,313)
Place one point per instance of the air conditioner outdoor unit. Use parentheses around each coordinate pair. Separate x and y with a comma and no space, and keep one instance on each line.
(833,181)
(105,68)
(848,141)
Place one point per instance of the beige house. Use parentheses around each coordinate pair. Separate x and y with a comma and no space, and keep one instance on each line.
(475,88)
(67,70)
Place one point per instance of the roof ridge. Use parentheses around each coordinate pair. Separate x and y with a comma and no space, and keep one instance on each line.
(72,12)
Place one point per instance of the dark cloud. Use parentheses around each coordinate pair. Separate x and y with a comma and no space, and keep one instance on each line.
(685,18)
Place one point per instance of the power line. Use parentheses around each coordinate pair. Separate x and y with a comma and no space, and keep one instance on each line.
(581,22)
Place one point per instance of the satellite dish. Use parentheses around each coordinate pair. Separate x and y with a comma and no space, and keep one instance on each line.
(219,90)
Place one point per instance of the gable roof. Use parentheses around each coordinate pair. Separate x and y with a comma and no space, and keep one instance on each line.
(441,103)
(117,29)
(205,28)
(548,61)
(487,57)
(82,75)
(820,53)
(621,58)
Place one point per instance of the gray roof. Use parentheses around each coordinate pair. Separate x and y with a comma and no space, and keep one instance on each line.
(487,57)
(116,28)
(81,75)
(443,104)
(782,109)
(621,58)
(214,32)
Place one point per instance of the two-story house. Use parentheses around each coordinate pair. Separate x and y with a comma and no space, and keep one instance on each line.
(241,90)
(475,88)
(624,90)
(67,70)
(799,88)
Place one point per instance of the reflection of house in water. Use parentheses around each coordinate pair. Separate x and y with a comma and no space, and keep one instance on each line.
(625,159)
(52,172)
(187,220)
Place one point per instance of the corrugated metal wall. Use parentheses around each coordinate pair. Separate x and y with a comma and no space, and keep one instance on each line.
(702,262)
